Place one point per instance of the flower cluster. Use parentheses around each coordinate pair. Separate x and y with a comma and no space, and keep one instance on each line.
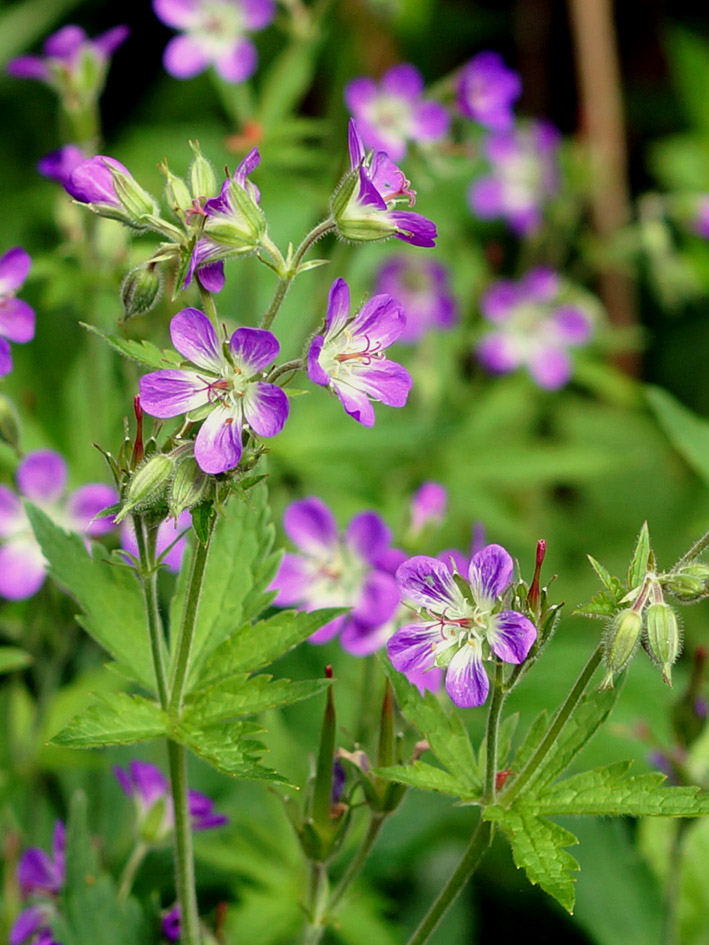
(41,478)
(464,624)
(523,176)
(392,113)
(16,317)
(535,323)
(40,878)
(423,290)
(487,91)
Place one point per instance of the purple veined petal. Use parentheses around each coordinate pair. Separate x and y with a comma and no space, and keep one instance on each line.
(28,67)
(511,636)
(22,568)
(315,372)
(403,81)
(92,181)
(196,340)
(202,258)
(368,197)
(14,267)
(253,349)
(368,536)
(16,320)
(65,43)
(167,394)
(239,63)
(382,380)
(41,476)
(257,14)
(485,197)
(291,580)
(413,228)
(428,504)
(58,165)
(311,526)
(149,783)
(5,358)
(490,574)
(354,143)
(389,559)
(571,325)
(426,679)
(540,284)
(338,307)
(27,924)
(247,166)
(466,680)
(356,403)
(498,354)
(184,58)
(381,320)
(361,639)
(85,503)
(388,178)
(180,14)
(498,302)
(107,43)
(327,632)
(212,276)
(431,121)
(428,583)
(378,600)
(550,368)
(266,408)
(218,446)
(12,515)
(415,646)
(359,93)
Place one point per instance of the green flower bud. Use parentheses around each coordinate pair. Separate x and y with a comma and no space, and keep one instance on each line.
(141,289)
(136,202)
(203,180)
(354,221)
(148,484)
(241,225)
(189,487)
(620,642)
(177,194)
(664,638)
(9,423)
(689,584)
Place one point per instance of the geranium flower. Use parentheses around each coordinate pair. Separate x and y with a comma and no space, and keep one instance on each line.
(349,358)
(487,91)
(41,478)
(536,321)
(58,165)
(224,384)
(460,630)
(16,317)
(42,876)
(423,289)
(214,34)
(364,207)
(391,113)
(333,570)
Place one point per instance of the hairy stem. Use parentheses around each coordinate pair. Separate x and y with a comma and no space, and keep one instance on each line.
(358,861)
(491,736)
(316,906)
(184,854)
(697,548)
(146,541)
(208,304)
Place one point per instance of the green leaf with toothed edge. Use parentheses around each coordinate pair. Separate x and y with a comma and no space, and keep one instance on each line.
(240,695)
(230,748)
(419,774)
(639,562)
(118,719)
(144,352)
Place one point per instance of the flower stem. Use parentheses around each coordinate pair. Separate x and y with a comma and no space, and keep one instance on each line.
(146,540)
(493,725)
(479,843)
(184,854)
(285,282)
(375,825)
(557,724)
(132,866)
(694,552)
(317,899)
(208,304)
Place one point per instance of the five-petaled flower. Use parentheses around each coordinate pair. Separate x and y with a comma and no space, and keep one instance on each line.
(16,317)
(222,380)
(487,91)
(40,877)
(349,358)
(364,206)
(214,34)
(392,113)
(423,289)
(462,627)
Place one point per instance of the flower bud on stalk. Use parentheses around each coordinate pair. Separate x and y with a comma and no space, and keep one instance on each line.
(189,486)
(619,644)
(664,637)
(147,487)
(689,584)
(203,180)
(141,289)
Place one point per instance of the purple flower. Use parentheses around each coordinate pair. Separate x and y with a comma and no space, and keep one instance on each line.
(58,165)
(40,875)
(16,317)
(364,206)
(41,478)
(168,532)
(170,924)
(333,570)
(148,787)
(488,90)
(72,63)
(349,358)
(428,505)
(524,175)
(214,34)
(423,289)
(536,321)
(392,113)
(108,188)
(700,221)
(461,630)
(226,386)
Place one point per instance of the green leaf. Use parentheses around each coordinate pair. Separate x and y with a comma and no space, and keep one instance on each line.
(12,658)
(255,646)
(639,562)
(239,696)
(689,65)
(601,605)
(611,584)
(230,748)
(425,776)
(144,352)
(538,848)
(531,740)
(109,595)
(687,432)
(118,719)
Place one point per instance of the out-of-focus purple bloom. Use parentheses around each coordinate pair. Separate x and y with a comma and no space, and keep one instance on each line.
(17,318)
(333,570)
(169,532)
(428,504)
(364,206)
(41,478)
(349,358)
(423,289)
(58,165)
(40,875)
(72,63)
(535,323)
(700,222)
(148,787)
(170,924)
(524,175)
(227,387)
(460,632)
(392,112)
(214,33)
(487,91)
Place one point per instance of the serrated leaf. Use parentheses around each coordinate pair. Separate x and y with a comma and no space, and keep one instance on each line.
(601,605)
(109,595)
(144,352)
(230,748)
(239,695)
(538,847)
(118,719)
(639,562)
(13,658)
(425,776)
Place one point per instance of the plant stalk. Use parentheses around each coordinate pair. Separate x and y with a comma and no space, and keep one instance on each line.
(146,540)
(133,864)
(375,825)
(184,853)
(491,737)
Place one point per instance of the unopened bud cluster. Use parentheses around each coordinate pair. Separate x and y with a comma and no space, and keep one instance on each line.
(166,483)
